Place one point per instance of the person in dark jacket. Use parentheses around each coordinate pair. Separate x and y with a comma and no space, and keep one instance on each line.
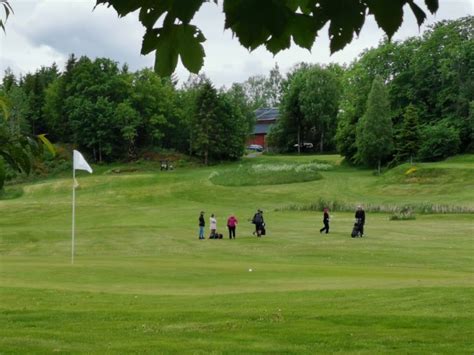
(259,222)
(325,221)
(360,218)
(202,224)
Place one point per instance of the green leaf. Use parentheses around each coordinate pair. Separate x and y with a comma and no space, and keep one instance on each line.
(276,44)
(190,49)
(149,16)
(47,143)
(307,6)
(255,22)
(244,20)
(123,7)
(388,14)
(8,10)
(419,13)
(149,42)
(343,23)
(172,41)
(166,58)
(185,9)
(304,29)
(432,5)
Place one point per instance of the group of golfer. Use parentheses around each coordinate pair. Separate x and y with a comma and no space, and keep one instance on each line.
(259,223)
(357,231)
(232,222)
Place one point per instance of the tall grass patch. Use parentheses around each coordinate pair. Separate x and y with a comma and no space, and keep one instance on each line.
(399,209)
(269,174)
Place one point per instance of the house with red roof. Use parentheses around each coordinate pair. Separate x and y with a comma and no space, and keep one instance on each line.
(265,118)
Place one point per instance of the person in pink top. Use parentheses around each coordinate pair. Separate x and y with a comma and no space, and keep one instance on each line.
(231,224)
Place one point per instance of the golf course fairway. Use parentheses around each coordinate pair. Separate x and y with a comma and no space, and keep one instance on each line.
(142,281)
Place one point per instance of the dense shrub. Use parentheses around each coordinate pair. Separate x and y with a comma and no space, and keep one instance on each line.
(438,141)
(404,214)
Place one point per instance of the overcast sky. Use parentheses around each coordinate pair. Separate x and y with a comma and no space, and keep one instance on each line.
(45,31)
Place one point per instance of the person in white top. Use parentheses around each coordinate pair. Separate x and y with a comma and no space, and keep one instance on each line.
(213,225)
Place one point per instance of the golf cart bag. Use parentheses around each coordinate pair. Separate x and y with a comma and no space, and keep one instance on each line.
(357,230)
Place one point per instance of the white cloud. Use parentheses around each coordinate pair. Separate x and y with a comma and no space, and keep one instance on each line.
(45,31)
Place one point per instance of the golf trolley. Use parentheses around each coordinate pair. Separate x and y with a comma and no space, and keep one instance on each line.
(357,229)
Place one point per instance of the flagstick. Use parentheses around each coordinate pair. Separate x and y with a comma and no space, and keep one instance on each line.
(73,211)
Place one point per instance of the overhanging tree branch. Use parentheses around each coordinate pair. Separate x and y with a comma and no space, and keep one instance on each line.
(273,24)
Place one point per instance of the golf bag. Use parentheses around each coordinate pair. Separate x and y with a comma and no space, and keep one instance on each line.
(357,230)
(216,236)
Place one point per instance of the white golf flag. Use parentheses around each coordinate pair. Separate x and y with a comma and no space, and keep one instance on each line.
(80,163)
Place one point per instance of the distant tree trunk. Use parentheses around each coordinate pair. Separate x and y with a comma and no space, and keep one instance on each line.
(379,166)
(94,153)
(206,153)
(299,139)
(191,143)
(321,143)
(100,152)
(131,150)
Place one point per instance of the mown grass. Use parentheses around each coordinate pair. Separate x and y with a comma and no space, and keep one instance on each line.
(143,282)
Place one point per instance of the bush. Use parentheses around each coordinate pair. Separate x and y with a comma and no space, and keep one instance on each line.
(438,141)
(404,214)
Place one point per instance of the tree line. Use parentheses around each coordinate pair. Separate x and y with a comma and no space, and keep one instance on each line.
(397,102)
(114,114)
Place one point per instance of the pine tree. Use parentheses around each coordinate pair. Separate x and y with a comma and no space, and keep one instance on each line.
(408,139)
(374,130)
(206,119)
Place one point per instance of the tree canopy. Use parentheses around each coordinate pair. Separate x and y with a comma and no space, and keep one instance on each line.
(273,24)
(309,107)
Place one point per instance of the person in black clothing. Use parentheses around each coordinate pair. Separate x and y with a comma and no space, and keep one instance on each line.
(202,224)
(259,223)
(360,218)
(325,221)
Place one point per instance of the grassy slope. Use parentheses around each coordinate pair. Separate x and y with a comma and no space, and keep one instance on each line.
(143,282)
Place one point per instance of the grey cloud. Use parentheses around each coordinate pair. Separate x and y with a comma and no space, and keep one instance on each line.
(75,28)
